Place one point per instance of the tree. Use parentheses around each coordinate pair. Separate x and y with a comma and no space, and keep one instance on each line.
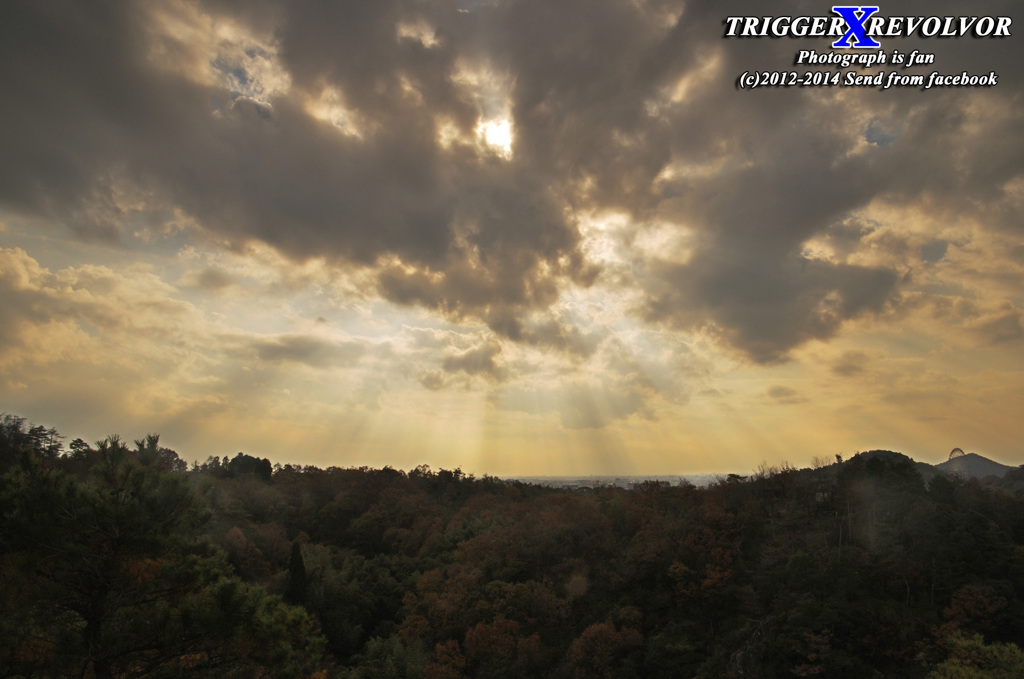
(297,581)
(79,448)
(13,440)
(972,658)
(150,451)
(115,582)
(242,464)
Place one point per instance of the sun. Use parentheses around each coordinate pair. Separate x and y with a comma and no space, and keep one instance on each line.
(498,135)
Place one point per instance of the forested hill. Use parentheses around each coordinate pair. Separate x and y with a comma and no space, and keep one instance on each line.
(120,561)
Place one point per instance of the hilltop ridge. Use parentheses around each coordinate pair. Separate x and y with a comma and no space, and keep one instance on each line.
(972,465)
(966,466)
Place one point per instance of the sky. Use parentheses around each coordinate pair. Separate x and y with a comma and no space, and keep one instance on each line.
(520,237)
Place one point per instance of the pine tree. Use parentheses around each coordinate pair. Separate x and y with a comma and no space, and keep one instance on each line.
(297,580)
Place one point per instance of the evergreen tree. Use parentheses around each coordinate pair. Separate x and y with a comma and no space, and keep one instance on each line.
(297,581)
(112,580)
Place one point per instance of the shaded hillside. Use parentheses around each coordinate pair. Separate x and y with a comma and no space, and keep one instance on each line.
(966,466)
(890,457)
(973,466)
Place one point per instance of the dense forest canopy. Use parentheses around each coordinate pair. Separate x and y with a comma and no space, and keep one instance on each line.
(122,560)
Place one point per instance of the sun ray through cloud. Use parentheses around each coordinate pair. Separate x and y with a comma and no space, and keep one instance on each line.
(502,236)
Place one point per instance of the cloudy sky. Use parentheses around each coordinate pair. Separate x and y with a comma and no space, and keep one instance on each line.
(516,236)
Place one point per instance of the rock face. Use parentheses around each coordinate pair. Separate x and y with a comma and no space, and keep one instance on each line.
(972,465)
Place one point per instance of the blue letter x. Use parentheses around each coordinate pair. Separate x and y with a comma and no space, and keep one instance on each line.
(856,29)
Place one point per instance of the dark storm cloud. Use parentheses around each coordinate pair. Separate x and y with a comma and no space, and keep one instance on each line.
(1003,327)
(785,395)
(85,109)
(69,95)
(765,307)
(851,363)
(478,360)
(213,279)
(626,106)
(796,168)
(310,350)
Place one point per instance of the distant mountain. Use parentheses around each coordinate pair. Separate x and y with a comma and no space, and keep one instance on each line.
(972,465)
(969,465)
